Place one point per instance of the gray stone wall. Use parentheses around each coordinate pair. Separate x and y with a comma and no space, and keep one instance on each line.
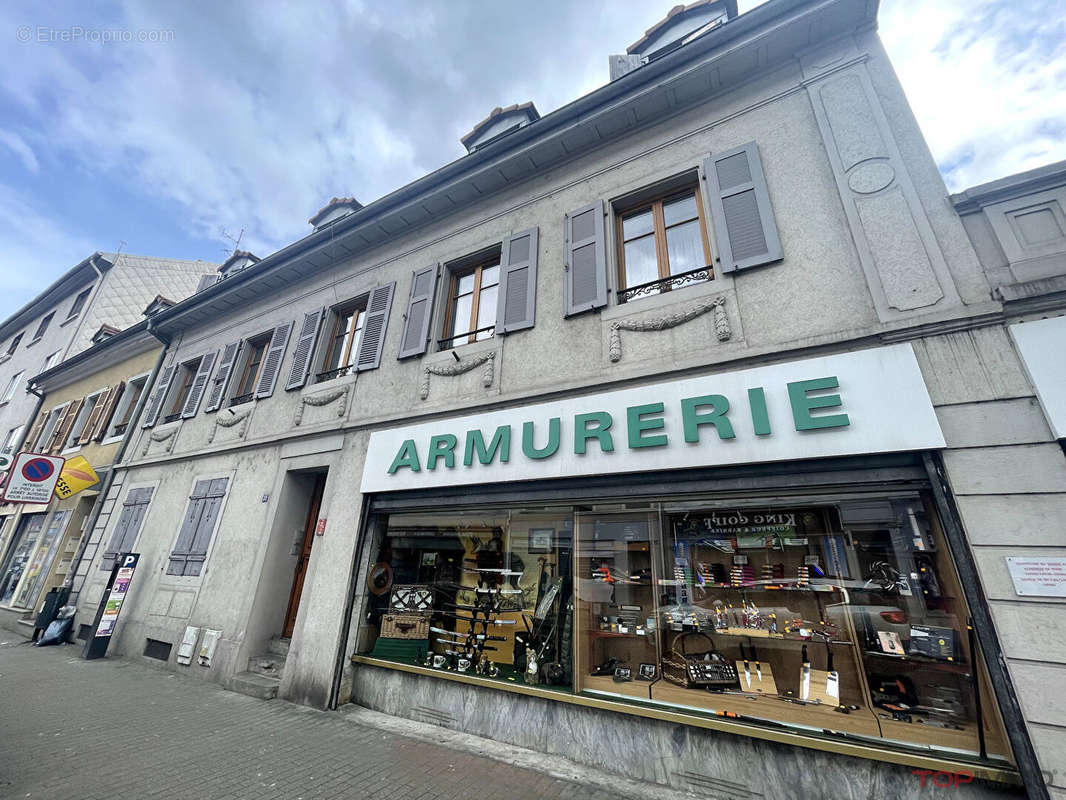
(1008,477)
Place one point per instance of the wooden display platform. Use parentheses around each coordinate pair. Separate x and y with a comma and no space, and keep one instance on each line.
(770,709)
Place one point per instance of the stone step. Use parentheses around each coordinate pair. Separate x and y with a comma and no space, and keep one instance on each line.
(255,685)
(279,646)
(268,664)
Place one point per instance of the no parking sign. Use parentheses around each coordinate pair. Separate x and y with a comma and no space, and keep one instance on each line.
(32,478)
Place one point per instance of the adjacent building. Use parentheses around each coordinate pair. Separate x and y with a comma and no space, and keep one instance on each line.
(690,430)
(89,400)
(103,294)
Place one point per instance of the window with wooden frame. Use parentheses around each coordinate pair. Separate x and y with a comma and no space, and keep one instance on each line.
(345,334)
(183,385)
(255,352)
(472,301)
(662,244)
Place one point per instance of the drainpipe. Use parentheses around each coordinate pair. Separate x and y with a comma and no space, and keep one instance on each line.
(109,478)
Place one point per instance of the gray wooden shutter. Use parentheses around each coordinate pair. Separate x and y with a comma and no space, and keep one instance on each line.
(740,208)
(189,523)
(202,538)
(272,360)
(129,524)
(419,312)
(199,384)
(586,260)
(305,349)
(227,355)
(107,410)
(517,295)
(377,320)
(151,414)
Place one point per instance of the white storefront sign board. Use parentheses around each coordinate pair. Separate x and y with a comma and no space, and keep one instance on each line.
(1038,577)
(1042,344)
(881,392)
(32,478)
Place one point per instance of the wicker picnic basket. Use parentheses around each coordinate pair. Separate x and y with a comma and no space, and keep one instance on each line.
(677,667)
(404,626)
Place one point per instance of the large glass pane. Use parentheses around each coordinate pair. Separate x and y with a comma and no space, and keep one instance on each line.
(639,224)
(486,310)
(464,284)
(615,603)
(684,246)
(486,593)
(851,607)
(40,562)
(357,338)
(461,316)
(641,263)
(24,544)
(681,209)
(490,276)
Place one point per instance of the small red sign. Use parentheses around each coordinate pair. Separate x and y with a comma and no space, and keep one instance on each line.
(37,470)
(320,528)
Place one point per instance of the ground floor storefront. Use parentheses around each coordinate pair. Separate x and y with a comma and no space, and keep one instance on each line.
(38,554)
(771,580)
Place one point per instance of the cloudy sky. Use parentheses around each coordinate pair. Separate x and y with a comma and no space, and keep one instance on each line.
(245,116)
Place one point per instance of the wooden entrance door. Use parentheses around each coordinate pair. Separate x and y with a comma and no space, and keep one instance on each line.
(304,557)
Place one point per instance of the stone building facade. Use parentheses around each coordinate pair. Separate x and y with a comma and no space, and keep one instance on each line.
(708,337)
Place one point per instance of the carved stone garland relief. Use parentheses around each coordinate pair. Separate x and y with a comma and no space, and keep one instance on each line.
(228,421)
(722,330)
(488,360)
(324,399)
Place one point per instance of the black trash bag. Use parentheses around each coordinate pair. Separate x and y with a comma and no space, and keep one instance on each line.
(59,629)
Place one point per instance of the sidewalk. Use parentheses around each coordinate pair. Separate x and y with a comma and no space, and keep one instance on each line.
(105,729)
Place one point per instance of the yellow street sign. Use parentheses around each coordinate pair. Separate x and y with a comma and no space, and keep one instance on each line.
(76,475)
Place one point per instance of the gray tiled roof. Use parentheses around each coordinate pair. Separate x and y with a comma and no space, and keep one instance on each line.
(131,285)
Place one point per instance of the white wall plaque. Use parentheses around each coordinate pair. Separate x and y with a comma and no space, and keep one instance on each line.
(1038,577)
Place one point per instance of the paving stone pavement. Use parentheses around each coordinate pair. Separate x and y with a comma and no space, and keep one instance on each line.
(110,728)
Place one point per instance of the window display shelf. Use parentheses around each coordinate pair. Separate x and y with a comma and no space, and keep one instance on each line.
(954,665)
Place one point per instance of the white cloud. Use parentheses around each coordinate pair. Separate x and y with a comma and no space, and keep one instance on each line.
(17,145)
(985,80)
(253,116)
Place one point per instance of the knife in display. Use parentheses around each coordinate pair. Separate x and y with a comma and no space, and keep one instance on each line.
(832,678)
(755,658)
(805,676)
(747,671)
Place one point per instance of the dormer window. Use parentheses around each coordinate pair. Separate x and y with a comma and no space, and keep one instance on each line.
(239,261)
(104,333)
(499,123)
(334,210)
(160,303)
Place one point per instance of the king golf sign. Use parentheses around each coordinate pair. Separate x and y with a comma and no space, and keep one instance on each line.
(32,478)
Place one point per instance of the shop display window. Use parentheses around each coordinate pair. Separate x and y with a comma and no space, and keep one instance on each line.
(835,617)
(478,593)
